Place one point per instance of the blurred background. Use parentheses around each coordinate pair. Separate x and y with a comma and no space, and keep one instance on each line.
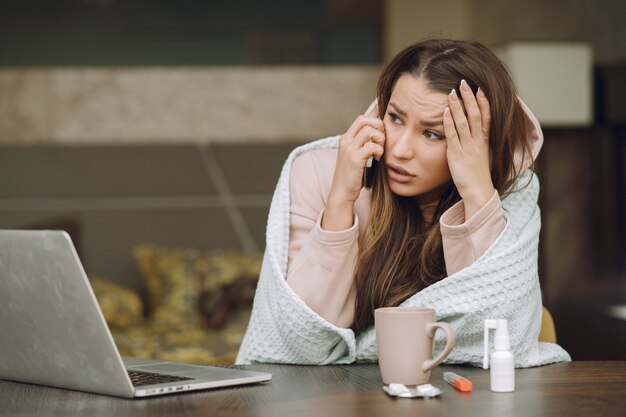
(166,122)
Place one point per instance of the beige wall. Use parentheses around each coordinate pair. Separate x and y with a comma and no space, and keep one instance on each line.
(408,21)
(494,22)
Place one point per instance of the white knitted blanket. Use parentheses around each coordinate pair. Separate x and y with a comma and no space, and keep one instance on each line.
(502,284)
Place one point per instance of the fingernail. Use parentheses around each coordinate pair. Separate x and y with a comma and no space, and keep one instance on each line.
(464,85)
(453,95)
(446,112)
(480,93)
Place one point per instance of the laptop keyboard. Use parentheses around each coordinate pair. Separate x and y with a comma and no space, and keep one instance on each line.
(140,378)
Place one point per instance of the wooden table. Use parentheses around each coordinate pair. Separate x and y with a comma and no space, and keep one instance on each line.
(566,389)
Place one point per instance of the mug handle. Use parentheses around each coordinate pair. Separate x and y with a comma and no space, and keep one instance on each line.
(431,328)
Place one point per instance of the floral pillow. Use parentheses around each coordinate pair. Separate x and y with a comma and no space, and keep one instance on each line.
(190,287)
(122,308)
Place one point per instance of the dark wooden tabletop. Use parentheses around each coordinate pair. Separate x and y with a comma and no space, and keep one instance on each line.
(565,389)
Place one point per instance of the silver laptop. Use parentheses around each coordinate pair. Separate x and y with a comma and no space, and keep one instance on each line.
(52,331)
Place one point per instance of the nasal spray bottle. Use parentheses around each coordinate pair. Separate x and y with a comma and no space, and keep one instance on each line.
(502,363)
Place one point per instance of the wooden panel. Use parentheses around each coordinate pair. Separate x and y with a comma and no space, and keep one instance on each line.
(252,169)
(68,171)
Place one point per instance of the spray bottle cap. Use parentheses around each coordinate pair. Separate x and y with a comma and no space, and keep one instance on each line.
(501,339)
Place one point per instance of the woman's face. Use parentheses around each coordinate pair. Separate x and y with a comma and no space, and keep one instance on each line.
(415,145)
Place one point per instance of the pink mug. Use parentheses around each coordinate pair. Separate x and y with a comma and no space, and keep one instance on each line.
(404,338)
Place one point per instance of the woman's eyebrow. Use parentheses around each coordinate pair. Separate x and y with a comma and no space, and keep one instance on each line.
(429,123)
(397,109)
(432,123)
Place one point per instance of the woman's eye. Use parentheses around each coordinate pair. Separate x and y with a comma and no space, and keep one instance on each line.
(430,134)
(394,118)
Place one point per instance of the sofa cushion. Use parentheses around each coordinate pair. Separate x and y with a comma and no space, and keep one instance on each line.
(191,287)
(122,308)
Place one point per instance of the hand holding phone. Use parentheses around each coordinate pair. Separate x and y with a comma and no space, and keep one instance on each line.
(363,140)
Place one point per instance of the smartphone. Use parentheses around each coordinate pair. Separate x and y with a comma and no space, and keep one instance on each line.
(368,175)
(370,167)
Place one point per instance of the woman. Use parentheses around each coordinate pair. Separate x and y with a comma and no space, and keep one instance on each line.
(451,221)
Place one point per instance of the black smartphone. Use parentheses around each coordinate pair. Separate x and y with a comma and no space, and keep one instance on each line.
(368,175)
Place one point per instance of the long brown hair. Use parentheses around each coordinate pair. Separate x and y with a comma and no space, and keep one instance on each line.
(400,253)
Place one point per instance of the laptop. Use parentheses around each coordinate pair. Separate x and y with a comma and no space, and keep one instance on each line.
(53,333)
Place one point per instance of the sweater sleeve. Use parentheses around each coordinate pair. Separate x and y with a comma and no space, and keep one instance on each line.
(466,240)
(320,263)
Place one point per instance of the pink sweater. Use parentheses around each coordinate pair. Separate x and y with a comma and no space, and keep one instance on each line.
(321,263)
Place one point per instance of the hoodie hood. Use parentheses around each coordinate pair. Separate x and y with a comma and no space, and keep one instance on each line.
(534,139)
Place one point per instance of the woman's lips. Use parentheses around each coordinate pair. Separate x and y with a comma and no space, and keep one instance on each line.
(398,174)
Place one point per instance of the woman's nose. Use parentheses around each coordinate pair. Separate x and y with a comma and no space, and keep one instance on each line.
(402,148)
